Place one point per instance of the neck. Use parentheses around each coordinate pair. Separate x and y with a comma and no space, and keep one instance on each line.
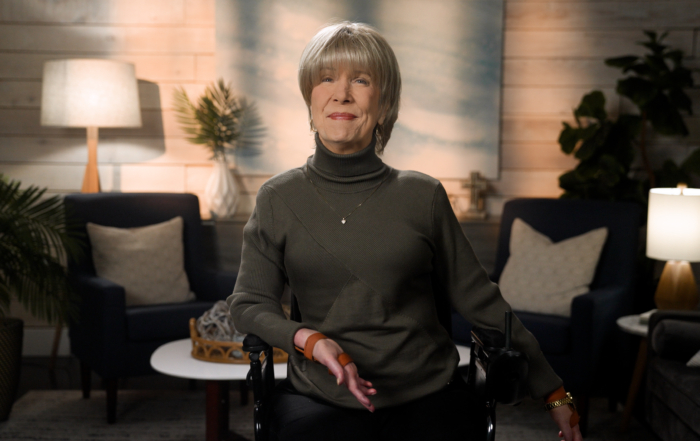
(350,172)
(344,148)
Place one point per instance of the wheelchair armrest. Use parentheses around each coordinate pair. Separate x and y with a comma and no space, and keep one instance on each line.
(496,374)
(253,343)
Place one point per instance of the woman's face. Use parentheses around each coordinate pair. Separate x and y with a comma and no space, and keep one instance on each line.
(345,109)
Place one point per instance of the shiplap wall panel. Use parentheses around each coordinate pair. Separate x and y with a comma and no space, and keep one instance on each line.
(110,150)
(550,100)
(553,55)
(537,156)
(102,39)
(126,12)
(172,68)
(60,178)
(152,96)
(584,43)
(170,42)
(558,72)
(622,15)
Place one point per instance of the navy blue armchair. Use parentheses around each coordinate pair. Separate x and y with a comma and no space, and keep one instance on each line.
(575,345)
(110,338)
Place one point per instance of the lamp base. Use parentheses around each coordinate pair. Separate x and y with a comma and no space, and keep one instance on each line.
(91,180)
(677,288)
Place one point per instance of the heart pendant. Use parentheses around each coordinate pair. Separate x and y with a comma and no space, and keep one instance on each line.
(343,221)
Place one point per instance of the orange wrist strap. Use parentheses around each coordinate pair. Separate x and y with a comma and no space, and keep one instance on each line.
(561,394)
(344,359)
(556,395)
(310,343)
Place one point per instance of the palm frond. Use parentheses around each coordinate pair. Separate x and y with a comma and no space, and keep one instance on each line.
(35,242)
(219,119)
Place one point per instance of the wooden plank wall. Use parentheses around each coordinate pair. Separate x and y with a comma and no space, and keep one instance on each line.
(170,42)
(553,54)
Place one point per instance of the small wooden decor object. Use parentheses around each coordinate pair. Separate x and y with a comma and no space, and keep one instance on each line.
(224,351)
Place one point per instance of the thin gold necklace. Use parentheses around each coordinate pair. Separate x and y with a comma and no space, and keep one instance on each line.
(343,219)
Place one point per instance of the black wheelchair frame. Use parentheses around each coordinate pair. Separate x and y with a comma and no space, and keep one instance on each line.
(497,374)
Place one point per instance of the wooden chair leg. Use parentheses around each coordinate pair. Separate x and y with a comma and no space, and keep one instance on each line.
(111,388)
(85,379)
(582,405)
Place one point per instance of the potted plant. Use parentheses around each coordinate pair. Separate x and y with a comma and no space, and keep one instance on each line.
(223,123)
(605,148)
(34,244)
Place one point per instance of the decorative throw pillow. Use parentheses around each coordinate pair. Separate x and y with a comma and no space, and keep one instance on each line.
(149,262)
(541,276)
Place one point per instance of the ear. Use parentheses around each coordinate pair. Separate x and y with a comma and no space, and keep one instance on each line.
(382,116)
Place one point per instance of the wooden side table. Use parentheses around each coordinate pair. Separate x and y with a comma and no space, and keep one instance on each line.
(630,324)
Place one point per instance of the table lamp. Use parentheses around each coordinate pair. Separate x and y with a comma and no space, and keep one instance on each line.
(673,234)
(92,94)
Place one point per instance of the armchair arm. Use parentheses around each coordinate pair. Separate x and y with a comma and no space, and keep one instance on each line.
(219,285)
(593,316)
(658,316)
(679,339)
(98,336)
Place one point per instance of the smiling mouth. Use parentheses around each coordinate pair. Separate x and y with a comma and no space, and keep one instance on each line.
(342,116)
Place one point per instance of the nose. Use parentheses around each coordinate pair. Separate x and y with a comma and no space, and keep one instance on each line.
(341,92)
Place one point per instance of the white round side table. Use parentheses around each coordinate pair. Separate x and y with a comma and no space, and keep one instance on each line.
(175,359)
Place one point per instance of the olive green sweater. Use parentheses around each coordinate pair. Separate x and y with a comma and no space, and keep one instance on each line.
(369,283)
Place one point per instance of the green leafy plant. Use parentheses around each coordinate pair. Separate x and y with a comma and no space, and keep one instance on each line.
(34,243)
(656,84)
(605,151)
(219,120)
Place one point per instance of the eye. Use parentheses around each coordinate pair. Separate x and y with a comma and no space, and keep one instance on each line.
(326,79)
(362,81)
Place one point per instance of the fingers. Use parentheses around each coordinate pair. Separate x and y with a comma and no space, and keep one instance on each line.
(326,352)
(357,390)
(577,433)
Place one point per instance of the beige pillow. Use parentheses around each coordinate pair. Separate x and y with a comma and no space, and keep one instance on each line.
(149,262)
(541,276)
(694,361)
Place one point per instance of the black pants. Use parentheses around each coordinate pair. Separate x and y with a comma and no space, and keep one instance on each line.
(446,415)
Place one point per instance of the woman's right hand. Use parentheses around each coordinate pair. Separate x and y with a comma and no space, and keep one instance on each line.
(326,352)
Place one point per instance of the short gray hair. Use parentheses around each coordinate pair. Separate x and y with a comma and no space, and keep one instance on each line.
(355,45)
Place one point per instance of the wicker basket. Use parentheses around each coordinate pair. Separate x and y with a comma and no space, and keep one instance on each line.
(224,351)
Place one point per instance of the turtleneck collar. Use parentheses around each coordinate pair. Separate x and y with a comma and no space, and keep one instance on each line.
(349,173)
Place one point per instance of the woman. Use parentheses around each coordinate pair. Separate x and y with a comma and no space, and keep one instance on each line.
(364,247)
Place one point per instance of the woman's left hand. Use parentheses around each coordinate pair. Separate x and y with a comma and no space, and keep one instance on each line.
(562,416)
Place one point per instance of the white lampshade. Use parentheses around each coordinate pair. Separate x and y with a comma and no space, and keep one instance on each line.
(673,228)
(90,93)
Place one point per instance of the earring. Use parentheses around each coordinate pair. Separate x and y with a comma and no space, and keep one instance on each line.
(378,133)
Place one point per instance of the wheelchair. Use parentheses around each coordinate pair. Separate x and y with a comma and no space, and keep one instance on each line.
(496,374)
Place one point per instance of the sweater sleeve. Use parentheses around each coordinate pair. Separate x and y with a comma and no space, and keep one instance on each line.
(476,298)
(255,303)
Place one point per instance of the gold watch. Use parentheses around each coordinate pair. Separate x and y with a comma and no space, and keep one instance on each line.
(568,400)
